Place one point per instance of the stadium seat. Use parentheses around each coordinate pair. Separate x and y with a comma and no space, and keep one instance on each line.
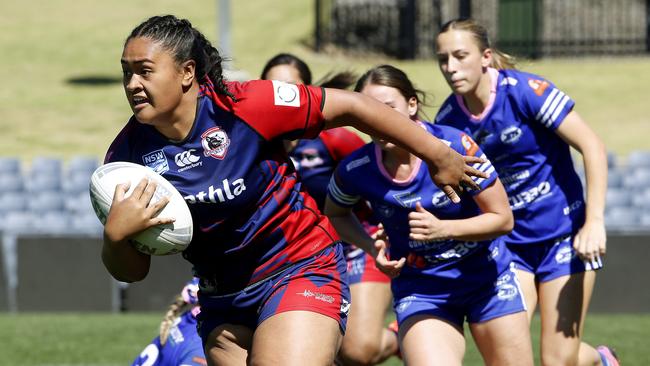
(44,202)
(13,202)
(612,159)
(639,158)
(622,218)
(77,181)
(11,182)
(644,220)
(86,224)
(78,203)
(9,165)
(53,223)
(48,182)
(81,163)
(617,198)
(615,178)
(43,164)
(636,177)
(19,222)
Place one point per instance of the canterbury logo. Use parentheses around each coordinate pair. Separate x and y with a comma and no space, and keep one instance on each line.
(186,158)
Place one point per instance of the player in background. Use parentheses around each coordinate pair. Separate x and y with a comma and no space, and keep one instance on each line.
(448,260)
(525,125)
(366,341)
(178,342)
(270,266)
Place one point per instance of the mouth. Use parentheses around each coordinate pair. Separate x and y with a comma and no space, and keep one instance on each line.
(139,102)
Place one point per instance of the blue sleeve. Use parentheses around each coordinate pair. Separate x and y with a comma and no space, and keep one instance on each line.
(465,145)
(543,102)
(340,189)
(192,353)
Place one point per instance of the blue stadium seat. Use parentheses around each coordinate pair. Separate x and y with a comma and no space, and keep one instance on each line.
(644,220)
(48,182)
(86,224)
(612,159)
(617,198)
(9,165)
(53,223)
(77,181)
(82,163)
(615,178)
(622,218)
(19,222)
(639,158)
(45,202)
(13,202)
(636,178)
(78,203)
(11,182)
(44,164)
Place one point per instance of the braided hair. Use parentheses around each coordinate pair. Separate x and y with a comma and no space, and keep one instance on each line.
(176,308)
(184,43)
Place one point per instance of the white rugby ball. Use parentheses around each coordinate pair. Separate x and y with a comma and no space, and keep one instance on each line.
(156,240)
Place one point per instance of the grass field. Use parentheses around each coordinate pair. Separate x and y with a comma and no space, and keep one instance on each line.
(103,339)
(43,113)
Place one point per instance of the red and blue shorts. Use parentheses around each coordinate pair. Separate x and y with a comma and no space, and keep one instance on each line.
(317,284)
(362,268)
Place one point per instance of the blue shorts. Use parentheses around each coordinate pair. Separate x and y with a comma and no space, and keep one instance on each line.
(316,284)
(477,303)
(550,259)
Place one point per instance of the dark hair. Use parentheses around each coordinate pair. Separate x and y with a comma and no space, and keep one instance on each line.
(341,80)
(393,77)
(184,42)
(500,60)
(291,60)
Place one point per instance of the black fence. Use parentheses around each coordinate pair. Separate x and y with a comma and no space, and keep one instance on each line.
(406,29)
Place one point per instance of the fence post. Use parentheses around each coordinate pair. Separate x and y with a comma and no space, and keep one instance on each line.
(317,26)
(465,9)
(647,26)
(407,42)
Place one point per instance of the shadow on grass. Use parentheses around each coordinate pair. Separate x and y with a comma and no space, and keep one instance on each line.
(93,80)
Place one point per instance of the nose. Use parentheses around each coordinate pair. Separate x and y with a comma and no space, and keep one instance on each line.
(452,65)
(132,82)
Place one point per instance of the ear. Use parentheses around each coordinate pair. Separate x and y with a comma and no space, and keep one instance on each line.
(486,58)
(412,107)
(188,70)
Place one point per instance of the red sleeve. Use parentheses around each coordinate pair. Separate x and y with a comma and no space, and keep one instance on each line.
(274,109)
(340,142)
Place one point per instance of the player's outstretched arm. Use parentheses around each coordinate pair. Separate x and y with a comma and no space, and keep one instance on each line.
(449,170)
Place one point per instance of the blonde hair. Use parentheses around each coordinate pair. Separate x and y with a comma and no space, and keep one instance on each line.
(500,60)
(177,307)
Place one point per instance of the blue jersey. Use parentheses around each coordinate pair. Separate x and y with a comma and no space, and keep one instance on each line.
(362,176)
(517,132)
(183,347)
(250,215)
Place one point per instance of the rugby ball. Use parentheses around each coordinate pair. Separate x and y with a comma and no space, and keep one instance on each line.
(156,240)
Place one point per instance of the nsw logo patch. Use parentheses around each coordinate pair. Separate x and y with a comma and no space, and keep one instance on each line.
(285,94)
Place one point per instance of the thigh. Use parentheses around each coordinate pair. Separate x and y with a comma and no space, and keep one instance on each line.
(370,300)
(228,344)
(563,304)
(529,289)
(427,340)
(296,338)
(504,340)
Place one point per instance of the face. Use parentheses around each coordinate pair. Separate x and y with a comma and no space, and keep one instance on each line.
(394,99)
(152,80)
(460,60)
(286,73)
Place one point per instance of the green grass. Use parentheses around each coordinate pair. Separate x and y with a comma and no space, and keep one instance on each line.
(49,42)
(106,339)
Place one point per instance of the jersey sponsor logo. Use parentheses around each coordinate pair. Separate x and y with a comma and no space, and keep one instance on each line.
(357,163)
(510,135)
(227,192)
(186,160)
(215,142)
(572,207)
(538,86)
(440,199)
(345,306)
(405,303)
(407,199)
(316,295)
(509,81)
(157,161)
(516,177)
(522,199)
(507,292)
(285,94)
(493,253)
(469,145)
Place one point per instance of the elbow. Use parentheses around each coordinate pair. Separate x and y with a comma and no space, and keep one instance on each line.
(508,223)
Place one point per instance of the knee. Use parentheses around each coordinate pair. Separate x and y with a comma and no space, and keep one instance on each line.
(360,352)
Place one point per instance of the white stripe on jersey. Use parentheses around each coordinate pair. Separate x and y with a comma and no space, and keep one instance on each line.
(486,167)
(559,108)
(546,104)
(480,180)
(339,196)
(546,118)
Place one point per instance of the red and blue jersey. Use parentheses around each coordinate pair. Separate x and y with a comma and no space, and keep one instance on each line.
(315,159)
(251,217)
(362,176)
(517,132)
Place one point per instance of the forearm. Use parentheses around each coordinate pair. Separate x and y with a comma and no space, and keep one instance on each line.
(124,262)
(482,227)
(595,162)
(351,231)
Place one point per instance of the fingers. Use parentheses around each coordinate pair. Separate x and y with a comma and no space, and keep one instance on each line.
(451,193)
(140,188)
(471,171)
(473,160)
(468,182)
(120,191)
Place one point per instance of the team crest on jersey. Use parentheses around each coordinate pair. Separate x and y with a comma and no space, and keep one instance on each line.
(539,86)
(285,94)
(215,143)
(407,199)
(156,160)
(469,145)
(510,135)
(440,199)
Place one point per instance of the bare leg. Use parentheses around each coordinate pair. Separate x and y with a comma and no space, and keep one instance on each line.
(563,306)
(430,341)
(529,289)
(296,338)
(366,340)
(228,344)
(504,340)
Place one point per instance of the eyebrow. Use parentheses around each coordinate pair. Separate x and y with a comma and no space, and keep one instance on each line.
(137,61)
